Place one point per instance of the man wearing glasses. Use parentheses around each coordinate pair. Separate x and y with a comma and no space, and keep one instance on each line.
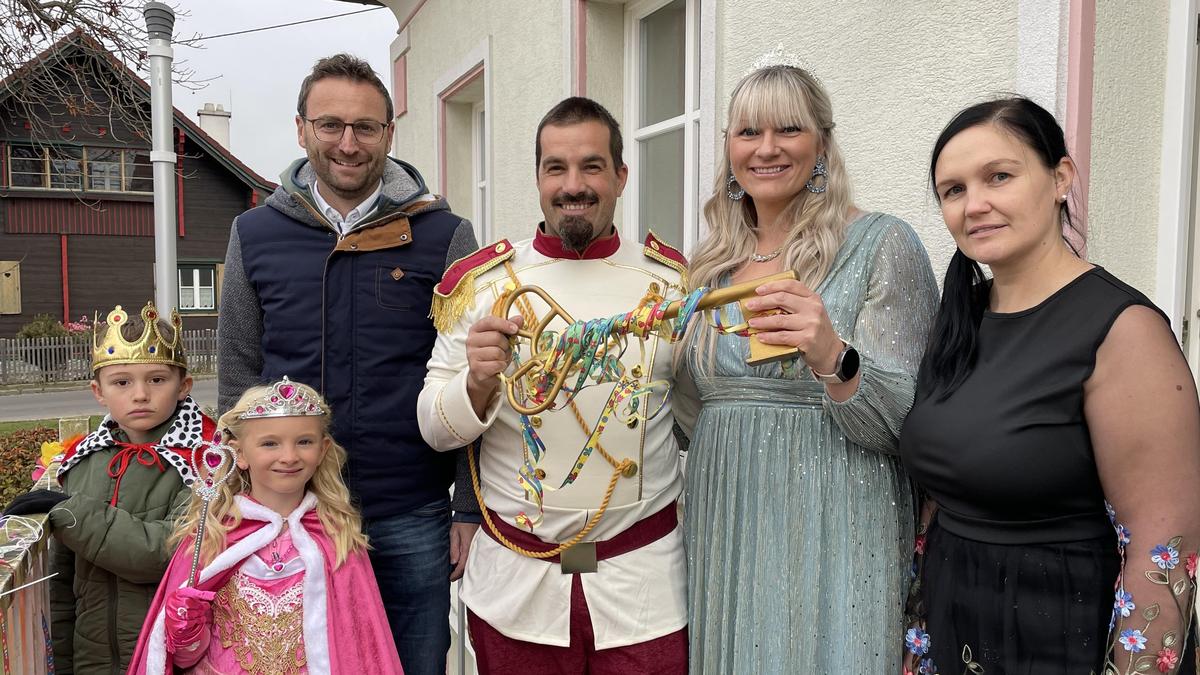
(330,283)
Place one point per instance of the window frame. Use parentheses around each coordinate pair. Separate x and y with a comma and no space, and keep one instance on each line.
(476,65)
(126,168)
(689,120)
(479,165)
(197,266)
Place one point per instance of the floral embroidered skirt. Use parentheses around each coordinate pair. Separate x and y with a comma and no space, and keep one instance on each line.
(1000,609)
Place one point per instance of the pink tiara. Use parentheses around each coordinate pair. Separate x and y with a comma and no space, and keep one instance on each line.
(286,399)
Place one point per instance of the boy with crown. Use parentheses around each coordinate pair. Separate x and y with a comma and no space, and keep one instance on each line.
(579,566)
(123,485)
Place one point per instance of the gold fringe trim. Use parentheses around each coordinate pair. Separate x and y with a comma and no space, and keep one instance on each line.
(655,255)
(446,310)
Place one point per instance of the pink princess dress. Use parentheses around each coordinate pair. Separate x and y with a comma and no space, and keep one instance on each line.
(279,606)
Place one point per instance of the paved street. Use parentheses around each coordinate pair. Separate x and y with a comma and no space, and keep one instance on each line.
(79,402)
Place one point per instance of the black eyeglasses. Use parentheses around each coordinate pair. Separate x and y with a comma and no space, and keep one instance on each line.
(330,130)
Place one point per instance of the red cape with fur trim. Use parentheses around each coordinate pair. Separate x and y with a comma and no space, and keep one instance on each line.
(358,638)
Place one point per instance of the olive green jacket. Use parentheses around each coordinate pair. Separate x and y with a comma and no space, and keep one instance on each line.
(110,545)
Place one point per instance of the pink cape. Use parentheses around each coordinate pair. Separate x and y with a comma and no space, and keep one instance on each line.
(345,627)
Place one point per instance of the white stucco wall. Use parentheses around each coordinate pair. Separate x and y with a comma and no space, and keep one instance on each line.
(1130,68)
(606,56)
(606,66)
(896,73)
(525,62)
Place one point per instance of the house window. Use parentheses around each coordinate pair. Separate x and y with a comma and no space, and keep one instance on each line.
(27,167)
(66,168)
(75,168)
(463,146)
(664,112)
(104,170)
(197,286)
(137,173)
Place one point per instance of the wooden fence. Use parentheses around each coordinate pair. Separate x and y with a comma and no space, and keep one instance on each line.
(69,359)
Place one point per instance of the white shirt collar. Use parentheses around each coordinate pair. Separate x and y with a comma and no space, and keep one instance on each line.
(344,225)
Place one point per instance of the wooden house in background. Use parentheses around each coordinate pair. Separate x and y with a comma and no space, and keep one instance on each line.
(76,204)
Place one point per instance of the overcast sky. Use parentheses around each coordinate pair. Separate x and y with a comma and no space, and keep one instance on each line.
(258,75)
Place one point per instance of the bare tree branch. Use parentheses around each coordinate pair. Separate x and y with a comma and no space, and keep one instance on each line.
(49,94)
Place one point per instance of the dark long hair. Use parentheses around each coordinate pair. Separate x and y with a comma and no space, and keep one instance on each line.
(950,355)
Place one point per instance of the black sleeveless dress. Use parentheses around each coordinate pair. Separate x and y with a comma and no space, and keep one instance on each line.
(1021,559)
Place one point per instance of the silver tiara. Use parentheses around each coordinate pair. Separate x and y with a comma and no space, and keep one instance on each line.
(781,57)
(286,399)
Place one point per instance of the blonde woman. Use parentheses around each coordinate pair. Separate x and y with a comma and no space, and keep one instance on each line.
(799,522)
(284,584)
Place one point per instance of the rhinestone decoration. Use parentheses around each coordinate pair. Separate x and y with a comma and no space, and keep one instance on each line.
(286,399)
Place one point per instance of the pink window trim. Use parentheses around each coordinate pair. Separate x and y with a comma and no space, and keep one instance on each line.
(579,47)
(444,96)
(400,85)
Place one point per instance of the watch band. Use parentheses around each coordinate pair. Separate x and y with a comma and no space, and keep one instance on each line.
(838,375)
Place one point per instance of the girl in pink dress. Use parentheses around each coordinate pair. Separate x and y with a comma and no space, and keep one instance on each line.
(285,585)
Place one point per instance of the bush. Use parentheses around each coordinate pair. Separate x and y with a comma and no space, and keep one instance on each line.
(43,326)
(19,452)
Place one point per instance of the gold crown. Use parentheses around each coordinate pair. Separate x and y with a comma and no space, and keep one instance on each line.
(151,347)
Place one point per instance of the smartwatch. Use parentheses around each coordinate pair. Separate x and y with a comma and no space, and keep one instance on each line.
(844,369)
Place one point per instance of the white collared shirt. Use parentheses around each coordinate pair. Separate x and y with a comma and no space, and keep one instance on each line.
(344,225)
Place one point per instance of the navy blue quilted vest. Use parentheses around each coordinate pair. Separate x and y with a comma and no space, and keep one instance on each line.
(354,325)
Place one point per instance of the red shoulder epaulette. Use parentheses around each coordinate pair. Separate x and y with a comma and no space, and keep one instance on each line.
(472,265)
(455,293)
(657,249)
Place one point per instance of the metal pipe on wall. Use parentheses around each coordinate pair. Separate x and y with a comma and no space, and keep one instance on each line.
(160,21)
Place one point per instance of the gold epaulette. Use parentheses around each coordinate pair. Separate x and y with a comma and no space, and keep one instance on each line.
(659,251)
(455,293)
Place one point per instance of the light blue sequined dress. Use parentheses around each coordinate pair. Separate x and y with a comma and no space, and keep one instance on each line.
(799,518)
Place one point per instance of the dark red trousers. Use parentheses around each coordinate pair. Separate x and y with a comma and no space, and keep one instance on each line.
(496,654)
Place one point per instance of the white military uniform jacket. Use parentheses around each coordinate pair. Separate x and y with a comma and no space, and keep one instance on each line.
(634,597)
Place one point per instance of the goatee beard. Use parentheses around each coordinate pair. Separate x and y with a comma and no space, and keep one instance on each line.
(576,233)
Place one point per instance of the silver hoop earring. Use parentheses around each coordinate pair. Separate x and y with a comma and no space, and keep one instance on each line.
(729,188)
(819,171)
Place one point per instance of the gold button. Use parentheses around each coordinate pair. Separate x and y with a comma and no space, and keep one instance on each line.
(535,421)
(397,274)
(630,470)
(510,286)
(540,474)
(636,371)
(632,424)
(654,244)
(500,247)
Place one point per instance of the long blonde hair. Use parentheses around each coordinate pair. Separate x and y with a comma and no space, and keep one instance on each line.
(775,96)
(342,522)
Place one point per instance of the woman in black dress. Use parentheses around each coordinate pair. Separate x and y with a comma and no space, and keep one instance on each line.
(1056,432)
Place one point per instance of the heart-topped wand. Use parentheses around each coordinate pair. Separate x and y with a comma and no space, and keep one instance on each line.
(217,460)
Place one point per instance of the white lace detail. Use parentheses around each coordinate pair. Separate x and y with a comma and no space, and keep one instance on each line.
(264,603)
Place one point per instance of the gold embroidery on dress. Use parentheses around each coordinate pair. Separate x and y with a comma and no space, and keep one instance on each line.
(266,633)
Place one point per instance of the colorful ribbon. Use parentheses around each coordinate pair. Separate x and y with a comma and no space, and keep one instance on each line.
(595,346)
